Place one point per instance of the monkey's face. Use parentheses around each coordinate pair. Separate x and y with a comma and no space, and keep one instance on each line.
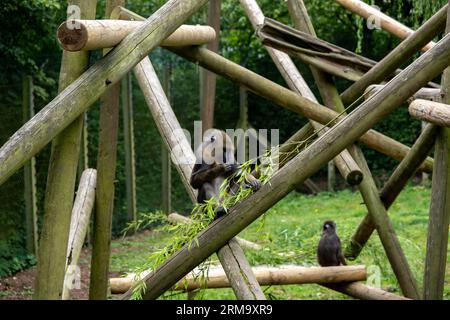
(217,147)
(329,227)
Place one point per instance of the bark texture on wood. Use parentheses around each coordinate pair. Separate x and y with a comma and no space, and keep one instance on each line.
(433,112)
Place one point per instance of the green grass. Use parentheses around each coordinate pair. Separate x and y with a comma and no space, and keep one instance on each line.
(292,228)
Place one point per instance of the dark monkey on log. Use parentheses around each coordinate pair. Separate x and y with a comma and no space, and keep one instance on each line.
(329,250)
(215,162)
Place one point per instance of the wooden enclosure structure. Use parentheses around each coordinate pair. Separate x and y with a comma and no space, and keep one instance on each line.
(61,121)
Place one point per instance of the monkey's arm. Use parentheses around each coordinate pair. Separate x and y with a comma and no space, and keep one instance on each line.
(202,173)
(339,254)
(252,181)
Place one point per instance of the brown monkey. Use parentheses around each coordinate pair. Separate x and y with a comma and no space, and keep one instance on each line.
(329,250)
(215,162)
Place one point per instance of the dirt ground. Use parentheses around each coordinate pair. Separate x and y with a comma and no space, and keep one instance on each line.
(20,286)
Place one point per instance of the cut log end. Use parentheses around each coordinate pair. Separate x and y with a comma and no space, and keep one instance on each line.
(72,36)
(354,177)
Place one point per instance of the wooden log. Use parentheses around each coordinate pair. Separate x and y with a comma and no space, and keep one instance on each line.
(84,91)
(291,101)
(430,94)
(368,187)
(310,160)
(128,139)
(439,220)
(361,291)
(100,34)
(429,111)
(30,173)
(398,56)
(345,163)
(106,170)
(61,174)
(208,80)
(177,218)
(184,159)
(81,213)
(235,264)
(392,188)
(166,179)
(384,21)
(265,275)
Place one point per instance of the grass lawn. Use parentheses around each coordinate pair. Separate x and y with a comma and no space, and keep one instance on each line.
(292,228)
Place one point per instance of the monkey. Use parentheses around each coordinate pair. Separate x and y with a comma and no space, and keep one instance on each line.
(329,250)
(215,162)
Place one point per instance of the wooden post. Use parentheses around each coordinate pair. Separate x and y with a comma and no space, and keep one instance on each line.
(30,174)
(166,182)
(79,224)
(361,291)
(209,79)
(429,111)
(331,176)
(368,187)
(61,178)
(290,100)
(128,134)
(431,94)
(184,160)
(344,162)
(397,57)
(310,160)
(85,90)
(106,173)
(385,22)
(438,223)
(392,188)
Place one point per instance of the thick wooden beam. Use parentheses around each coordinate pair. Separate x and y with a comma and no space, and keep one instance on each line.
(100,34)
(30,173)
(84,91)
(438,222)
(430,94)
(398,56)
(79,224)
(392,188)
(177,218)
(344,162)
(380,19)
(128,139)
(290,100)
(433,112)
(265,275)
(184,159)
(310,160)
(61,178)
(208,79)
(106,174)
